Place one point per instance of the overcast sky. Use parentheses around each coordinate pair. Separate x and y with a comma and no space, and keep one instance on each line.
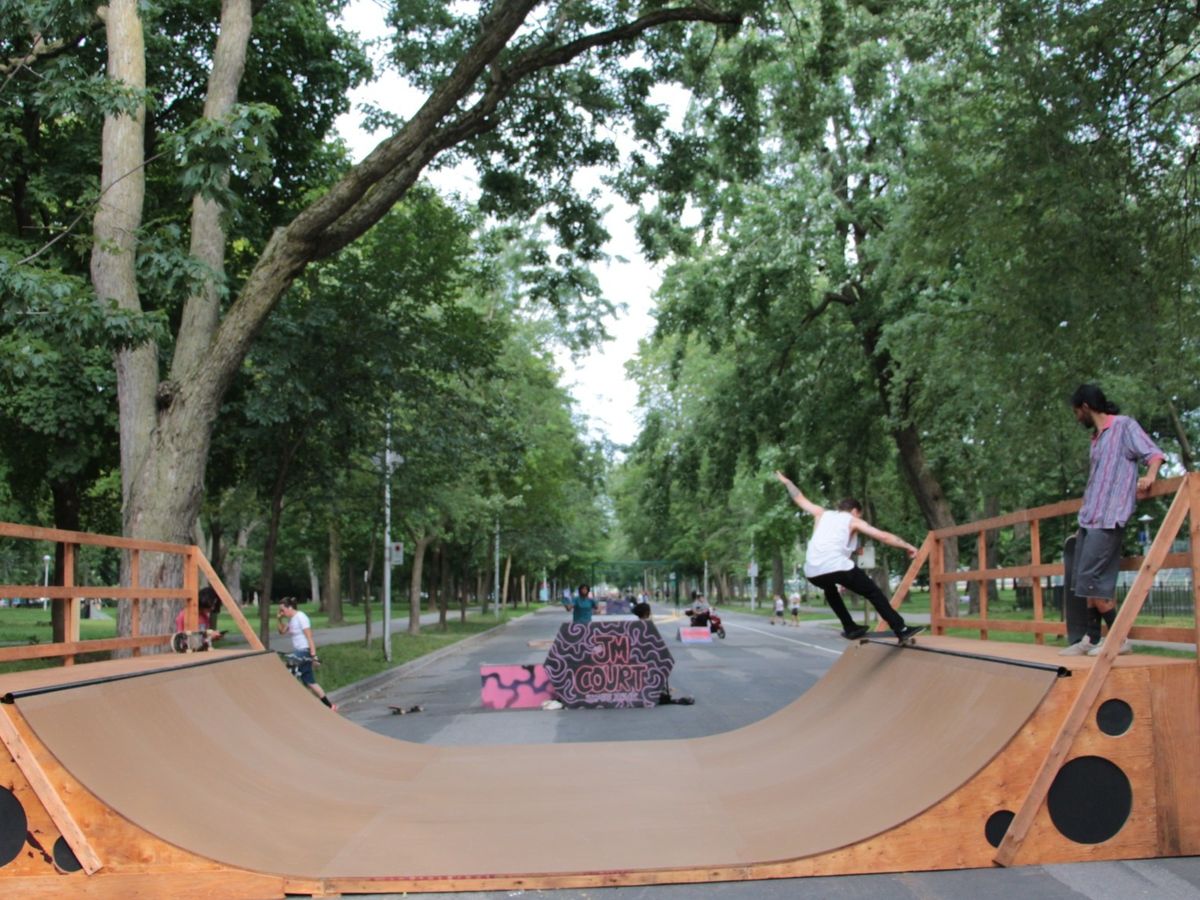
(597,381)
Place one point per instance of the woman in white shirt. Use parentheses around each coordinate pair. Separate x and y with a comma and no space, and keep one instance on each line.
(829,563)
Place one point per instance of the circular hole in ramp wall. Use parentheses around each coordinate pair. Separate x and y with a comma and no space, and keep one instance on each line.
(13,826)
(64,857)
(997,826)
(1114,717)
(1090,800)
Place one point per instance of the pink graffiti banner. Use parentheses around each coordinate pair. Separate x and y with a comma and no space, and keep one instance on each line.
(514,686)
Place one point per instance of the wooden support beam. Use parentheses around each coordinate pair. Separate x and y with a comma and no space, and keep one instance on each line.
(982,590)
(906,583)
(49,797)
(191,584)
(1018,829)
(71,606)
(1035,559)
(937,590)
(1193,486)
(135,612)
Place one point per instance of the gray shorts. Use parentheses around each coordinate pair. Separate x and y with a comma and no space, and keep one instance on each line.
(1097,559)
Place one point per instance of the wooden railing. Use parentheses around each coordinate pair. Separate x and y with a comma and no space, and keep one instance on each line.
(69,594)
(1186,504)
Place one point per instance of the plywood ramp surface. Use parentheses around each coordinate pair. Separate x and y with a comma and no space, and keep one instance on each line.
(303,793)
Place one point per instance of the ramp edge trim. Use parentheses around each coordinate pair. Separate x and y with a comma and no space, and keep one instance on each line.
(1060,671)
(14,696)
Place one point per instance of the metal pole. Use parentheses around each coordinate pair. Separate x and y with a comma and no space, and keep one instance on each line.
(496,575)
(46,580)
(387,539)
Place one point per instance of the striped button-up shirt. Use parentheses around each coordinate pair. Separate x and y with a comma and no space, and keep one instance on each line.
(1111,491)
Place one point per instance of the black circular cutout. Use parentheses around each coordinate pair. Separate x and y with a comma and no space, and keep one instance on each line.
(1090,800)
(13,826)
(64,857)
(997,826)
(1114,717)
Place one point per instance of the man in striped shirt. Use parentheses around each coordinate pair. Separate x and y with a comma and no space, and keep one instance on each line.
(1119,445)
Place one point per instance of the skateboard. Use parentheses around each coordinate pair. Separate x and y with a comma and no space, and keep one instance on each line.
(1074,608)
(405,710)
(191,642)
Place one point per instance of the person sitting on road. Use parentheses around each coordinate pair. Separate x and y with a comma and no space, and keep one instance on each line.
(209,604)
(642,611)
(295,622)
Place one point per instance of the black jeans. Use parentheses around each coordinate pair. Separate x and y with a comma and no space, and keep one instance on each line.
(855,579)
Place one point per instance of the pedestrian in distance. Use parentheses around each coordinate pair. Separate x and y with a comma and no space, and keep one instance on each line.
(829,563)
(294,621)
(582,605)
(796,610)
(778,614)
(1119,447)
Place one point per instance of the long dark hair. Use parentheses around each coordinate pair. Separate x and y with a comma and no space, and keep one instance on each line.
(1094,398)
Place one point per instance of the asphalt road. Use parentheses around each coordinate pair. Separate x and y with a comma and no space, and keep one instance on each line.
(757,670)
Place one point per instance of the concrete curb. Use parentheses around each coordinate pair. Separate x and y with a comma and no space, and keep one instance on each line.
(360,690)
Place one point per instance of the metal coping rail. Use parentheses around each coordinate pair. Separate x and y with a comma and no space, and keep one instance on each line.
(1060,671)
(14,696)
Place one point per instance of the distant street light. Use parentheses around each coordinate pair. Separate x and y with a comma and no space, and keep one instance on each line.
(46,577)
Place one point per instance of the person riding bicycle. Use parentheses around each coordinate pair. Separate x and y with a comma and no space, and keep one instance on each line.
(295,622)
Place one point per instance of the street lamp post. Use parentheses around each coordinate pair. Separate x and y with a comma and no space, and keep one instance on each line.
(46,577)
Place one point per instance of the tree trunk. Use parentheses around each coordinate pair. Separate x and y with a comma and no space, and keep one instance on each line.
(333,575)
(777,584)
(445,585)
(314,580)
(503,600)
(231,571)
(414,589)
(268,562)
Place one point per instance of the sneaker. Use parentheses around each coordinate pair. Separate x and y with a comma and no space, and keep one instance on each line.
(1079,648)
(1126,647)
(856,633)
(908,632)
(333,706)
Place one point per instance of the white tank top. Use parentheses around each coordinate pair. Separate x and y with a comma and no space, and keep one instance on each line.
(831,546)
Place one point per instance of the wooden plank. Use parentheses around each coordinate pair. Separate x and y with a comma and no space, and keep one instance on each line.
(32,532)
(1194,548)
(1175,702)
(57,810)
(191,584)
(71,610)
(1160,488)
(1035,558)
(55,592)
(1127,564)
(937,590)
(1014,839)
(1178,635)
(42,651)
(981,556)
(228,604)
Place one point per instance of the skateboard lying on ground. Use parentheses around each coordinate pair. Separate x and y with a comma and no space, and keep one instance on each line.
(405,710)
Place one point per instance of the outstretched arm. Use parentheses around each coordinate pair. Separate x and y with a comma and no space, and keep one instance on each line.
(862,526)
(798,496)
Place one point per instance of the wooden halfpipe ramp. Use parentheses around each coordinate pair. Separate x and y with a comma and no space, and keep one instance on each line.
(226,778)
